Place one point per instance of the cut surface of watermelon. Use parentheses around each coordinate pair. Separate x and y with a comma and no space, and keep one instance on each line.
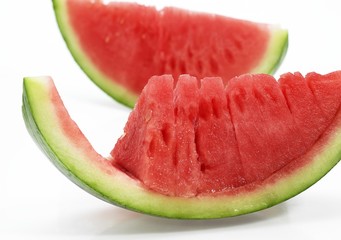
(201,150)
(121,45)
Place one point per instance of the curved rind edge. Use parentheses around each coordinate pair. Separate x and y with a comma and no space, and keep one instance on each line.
(276,51)
(114,90)
(39,138)
(272,59)
(117,188)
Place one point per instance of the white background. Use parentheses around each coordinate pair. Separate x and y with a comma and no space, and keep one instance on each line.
(37,202)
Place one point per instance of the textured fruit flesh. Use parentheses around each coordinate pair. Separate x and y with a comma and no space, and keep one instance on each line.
(200,137)
(129,43)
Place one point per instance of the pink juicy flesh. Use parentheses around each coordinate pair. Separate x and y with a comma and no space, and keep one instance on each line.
(130,43)
(194,139)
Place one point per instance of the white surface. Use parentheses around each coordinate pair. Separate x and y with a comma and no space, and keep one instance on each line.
(37,202)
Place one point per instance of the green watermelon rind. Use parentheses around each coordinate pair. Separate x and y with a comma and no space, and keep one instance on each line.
(274,55)
(82,165)
(116,91)
(271,61)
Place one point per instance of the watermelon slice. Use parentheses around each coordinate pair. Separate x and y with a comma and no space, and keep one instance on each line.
(121,45)
(201,151)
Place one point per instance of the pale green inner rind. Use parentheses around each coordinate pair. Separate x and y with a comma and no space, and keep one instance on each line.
(275,53)
(39,121)
(97,177)
(109,86)
(273,57)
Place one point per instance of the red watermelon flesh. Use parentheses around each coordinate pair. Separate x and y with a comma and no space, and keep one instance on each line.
(123,37)
(185,157)
(220,166)
(206,138)
(300,96)
(150,127)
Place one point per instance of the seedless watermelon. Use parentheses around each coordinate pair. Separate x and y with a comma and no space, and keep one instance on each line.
(201,150)
(121,45)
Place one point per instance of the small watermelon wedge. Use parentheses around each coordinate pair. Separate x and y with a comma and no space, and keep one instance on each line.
(121,45)
(199,151)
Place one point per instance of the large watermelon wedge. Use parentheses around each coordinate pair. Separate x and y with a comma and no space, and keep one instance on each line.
(121,45)
(201,151)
